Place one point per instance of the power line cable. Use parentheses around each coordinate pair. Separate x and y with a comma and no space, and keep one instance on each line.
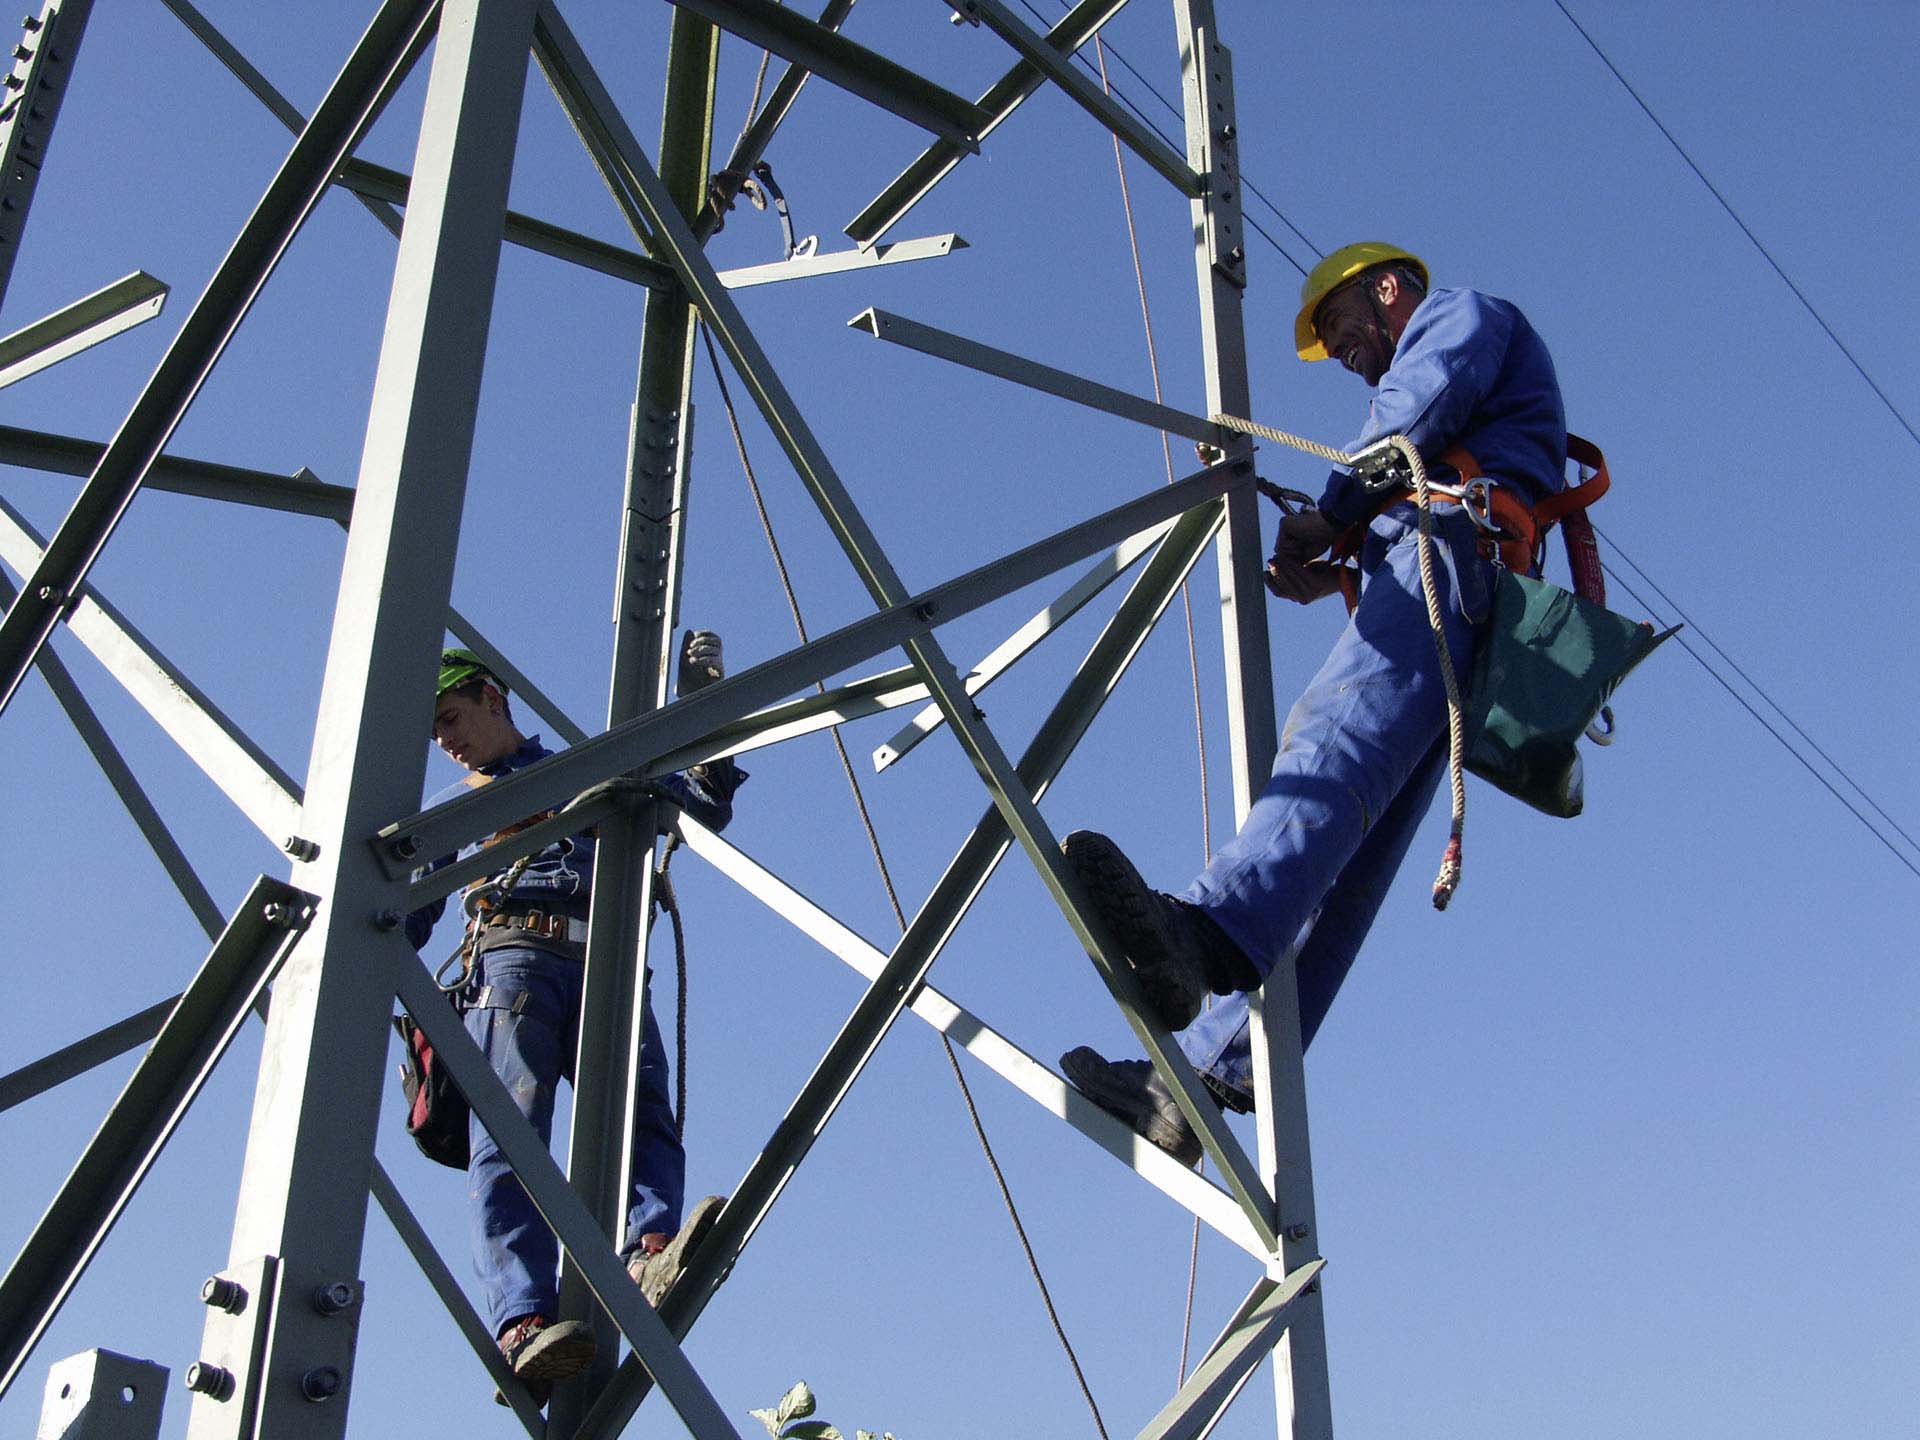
(1745,229)
(1759,689)
(1766,725)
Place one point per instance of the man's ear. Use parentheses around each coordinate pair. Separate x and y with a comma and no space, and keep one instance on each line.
(1387,286)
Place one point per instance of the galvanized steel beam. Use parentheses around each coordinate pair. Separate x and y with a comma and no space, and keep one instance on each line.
(146,1114)
(35,84)
(890,206)
(378,63)
(854,68)
(127,302)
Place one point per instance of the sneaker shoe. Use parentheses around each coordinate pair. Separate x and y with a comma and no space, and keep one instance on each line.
(1134,1091)
(656,1272)
(1176,952)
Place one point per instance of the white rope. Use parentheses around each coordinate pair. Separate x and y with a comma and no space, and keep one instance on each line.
(1448,880)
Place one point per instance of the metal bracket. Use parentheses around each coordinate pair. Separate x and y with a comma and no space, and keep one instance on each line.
(225,1380)
(98,1395)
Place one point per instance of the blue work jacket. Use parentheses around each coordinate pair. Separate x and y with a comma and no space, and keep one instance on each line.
(1469,370)
(560,877)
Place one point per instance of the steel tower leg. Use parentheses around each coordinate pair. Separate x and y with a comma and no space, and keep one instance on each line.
(1300,1362)
(316,1108)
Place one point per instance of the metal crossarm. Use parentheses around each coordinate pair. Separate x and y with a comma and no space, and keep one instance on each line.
(890,206)
(854,68)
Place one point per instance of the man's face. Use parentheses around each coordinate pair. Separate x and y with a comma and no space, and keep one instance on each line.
(1351,331)
(474,730)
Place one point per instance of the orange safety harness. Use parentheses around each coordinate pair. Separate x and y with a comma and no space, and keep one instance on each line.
(1512,531)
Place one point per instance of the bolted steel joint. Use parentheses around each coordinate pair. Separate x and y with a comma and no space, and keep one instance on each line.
(224,1294)
(388,920)
(211,1380)
(1297,1233)
(404,847)
(301,848)
(335,1298)
(320,1384)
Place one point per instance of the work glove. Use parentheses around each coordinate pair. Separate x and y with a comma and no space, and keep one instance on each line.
(700,661)
(1294,572)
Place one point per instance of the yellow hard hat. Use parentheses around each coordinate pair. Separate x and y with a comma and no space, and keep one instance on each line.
(1333,272)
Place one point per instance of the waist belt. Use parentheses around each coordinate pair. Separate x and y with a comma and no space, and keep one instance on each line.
(539,922)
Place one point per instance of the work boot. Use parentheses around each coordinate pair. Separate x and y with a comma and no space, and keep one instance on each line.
(1134,1091)
(1176,951)
(542,1352)
(654,1271)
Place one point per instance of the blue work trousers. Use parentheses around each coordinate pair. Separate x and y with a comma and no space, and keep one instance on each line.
(531,1045)
(1360,759)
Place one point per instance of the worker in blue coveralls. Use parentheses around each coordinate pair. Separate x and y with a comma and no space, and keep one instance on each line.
(522,1007)
(1365,746)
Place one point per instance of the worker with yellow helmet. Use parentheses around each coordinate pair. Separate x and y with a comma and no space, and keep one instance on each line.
(1365,746)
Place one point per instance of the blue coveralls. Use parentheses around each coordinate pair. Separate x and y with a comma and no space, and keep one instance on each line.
(1365,747)
(527,1020)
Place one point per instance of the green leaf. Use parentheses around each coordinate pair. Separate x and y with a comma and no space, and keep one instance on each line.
(769,1419)
(812,1430)
(796,1403)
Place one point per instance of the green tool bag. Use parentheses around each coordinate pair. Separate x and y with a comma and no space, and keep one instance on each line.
(1547,663)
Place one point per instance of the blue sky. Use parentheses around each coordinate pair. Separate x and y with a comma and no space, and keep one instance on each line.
(1622,1143)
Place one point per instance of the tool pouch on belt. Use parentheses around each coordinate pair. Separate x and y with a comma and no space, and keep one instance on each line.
(436,1110)
(1546,663)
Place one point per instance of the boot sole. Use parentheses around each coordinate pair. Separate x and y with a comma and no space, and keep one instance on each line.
(559,1352)
(1092,1075)
(666,1267)
(1131,911)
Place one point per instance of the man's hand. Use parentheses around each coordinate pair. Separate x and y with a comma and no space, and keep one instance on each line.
(1294,573)
(700,662)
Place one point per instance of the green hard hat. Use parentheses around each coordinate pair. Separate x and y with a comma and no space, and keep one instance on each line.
(458,666)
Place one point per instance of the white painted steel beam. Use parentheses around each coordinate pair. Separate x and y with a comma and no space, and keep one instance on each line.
(884,325)
(992,1049)
(127,302)
(910,187)
(1060,69)
(245,773)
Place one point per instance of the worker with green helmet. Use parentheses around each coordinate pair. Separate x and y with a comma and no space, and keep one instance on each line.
(1365,746)
(521,1002)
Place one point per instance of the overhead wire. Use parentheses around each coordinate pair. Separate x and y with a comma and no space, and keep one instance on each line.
(1745,228)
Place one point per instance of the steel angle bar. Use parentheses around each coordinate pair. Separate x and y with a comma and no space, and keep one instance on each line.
(377,182)
(125,303)
(1106,570)
(634,743)
(38,77)
(1060,69)
(906,968)
(164,1084)
(943,344)
(378,63)
(565,1213)
(852,67)
(299,494)
(653,211)
(1254,1330)
(420,1245)
(988,1046)
(890,206)
(62,1065)
(931,247)
(245,773)
(145,815)
(762,126)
